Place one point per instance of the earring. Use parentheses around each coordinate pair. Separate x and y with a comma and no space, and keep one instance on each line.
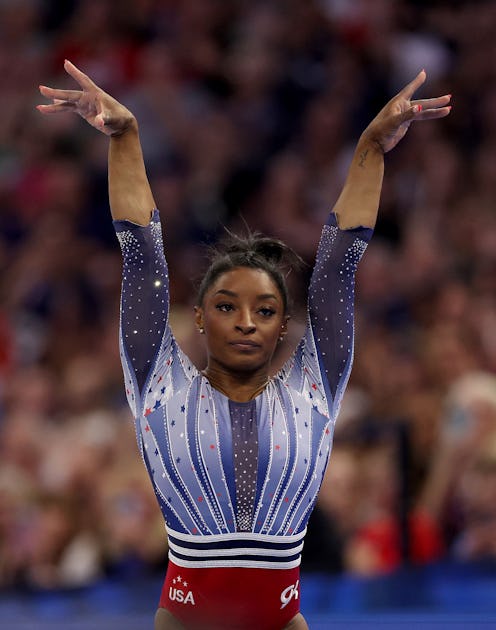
(201,330)
(281,337)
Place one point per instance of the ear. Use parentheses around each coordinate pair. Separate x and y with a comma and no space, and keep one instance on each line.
(199,319)
(284,328)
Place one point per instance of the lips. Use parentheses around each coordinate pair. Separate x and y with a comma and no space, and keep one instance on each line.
(244,343)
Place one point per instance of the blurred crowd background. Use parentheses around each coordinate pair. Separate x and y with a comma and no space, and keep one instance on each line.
(249,112)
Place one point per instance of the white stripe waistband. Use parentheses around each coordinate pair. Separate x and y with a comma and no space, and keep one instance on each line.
(237,537)
(237,549)
(233,562)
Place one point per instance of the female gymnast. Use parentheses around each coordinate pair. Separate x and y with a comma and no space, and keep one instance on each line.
(236,457)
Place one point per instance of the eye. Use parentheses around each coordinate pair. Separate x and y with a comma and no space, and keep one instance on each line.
(266,311)
(224,307)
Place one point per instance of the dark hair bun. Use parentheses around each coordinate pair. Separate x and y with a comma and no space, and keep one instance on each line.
(271,249)
(256,245)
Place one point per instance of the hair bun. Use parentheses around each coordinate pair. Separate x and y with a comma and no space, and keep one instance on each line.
(270,249)
(256,245)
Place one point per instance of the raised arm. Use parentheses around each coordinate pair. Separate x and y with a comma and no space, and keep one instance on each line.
(322,363)
(130,195)
(147,345)
(359,200)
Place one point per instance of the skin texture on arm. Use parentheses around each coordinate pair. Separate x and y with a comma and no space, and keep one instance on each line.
(130,195)
(358,202)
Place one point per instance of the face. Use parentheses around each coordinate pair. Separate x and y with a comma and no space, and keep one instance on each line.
(243,318)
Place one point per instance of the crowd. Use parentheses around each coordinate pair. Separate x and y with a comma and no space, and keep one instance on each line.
(248,112)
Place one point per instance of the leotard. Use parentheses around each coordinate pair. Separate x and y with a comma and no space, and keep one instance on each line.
(219,514)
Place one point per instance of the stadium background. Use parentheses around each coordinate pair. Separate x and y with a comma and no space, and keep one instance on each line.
(249,112)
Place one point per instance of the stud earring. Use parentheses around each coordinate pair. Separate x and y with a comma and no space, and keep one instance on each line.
(201,330)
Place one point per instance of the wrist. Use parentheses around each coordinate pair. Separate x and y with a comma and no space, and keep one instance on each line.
(129,127)
(368,142)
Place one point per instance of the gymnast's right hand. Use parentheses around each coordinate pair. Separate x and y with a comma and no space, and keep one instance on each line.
(97,107)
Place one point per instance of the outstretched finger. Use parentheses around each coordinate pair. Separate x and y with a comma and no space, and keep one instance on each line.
(83,79)
(56,107)
(428,114)
(408,91)
(63,95)
(433,103)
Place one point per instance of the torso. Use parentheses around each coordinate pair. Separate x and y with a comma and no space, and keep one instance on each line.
(188,449)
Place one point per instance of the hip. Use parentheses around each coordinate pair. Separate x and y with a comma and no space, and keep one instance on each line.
(231,598)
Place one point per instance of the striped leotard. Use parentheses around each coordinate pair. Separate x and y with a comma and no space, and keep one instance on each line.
(236,482)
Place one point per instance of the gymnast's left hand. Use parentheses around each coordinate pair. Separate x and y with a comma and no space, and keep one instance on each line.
(392,122)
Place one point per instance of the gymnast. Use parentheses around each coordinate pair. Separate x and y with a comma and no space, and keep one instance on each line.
(236,456)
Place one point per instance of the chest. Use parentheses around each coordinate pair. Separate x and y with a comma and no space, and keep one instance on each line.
(190,449)
(201,426)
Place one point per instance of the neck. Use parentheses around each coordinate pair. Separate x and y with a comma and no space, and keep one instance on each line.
(237,387)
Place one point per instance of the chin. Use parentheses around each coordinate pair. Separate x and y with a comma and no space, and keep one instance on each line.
(246,364)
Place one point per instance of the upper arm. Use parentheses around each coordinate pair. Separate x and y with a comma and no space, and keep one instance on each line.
(322,362)
(144,296)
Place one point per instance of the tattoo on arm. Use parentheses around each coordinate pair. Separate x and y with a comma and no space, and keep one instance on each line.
(363,157)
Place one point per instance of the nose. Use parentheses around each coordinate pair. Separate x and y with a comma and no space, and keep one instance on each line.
(245,323)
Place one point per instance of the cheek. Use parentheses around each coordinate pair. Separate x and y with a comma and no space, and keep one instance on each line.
(211,333)
(215,330)
(273,333)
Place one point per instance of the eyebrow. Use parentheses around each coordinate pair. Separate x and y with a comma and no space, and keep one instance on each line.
(262,296)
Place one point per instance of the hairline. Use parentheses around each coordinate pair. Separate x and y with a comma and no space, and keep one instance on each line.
(284,295)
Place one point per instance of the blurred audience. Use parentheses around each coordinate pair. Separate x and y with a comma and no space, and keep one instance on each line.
(248,112)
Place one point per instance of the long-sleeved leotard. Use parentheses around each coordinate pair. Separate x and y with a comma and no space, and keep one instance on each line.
(184,426)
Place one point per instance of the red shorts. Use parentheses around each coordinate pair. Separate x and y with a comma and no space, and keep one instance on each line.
(231,598)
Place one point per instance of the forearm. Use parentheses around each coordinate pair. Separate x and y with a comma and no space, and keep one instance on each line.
(130,194)
(358,202)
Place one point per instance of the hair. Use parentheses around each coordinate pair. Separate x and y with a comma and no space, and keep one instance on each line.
(254,251)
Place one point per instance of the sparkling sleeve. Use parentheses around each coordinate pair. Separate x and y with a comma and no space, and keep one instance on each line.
(321,365)
(147,346)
